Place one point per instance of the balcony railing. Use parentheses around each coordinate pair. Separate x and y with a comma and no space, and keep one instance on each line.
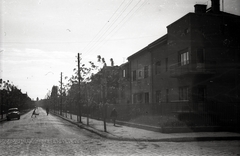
(197,68)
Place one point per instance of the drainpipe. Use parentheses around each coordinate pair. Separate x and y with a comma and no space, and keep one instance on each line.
(152,82)
(130,81)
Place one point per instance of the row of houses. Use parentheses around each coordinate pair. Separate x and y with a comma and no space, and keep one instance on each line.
(194,66)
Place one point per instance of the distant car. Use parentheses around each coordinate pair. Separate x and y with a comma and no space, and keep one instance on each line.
(13,113)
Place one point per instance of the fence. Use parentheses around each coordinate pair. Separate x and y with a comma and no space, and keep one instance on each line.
(214,114)
(2,116)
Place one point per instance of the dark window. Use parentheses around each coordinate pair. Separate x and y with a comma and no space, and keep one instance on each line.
(140,97)
(146,72)
(186,31)
(140,74)
(167,94)
(146,97)
(201,93)
(166,64)
(122,91)
(200,56)
(158,96)
(135,98)
(134,75)
(158,67)
(183,93)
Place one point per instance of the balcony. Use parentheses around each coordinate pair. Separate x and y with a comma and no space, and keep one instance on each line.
(191,69)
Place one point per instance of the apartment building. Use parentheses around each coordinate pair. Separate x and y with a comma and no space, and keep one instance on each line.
(204,45)
(193,66)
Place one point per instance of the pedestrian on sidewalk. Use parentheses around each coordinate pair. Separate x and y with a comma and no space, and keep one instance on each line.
(114,115)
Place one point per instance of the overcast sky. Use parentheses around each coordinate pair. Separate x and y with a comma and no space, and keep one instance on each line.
(39,39)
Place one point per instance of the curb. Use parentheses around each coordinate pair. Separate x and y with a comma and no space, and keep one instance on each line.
(80,125)
(146,127)
(180,139)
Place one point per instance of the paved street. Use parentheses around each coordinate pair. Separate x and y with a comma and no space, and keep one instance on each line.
(50,135)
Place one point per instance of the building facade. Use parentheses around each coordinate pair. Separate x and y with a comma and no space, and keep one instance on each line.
(206,53)
(141,82)
(194,67)
(124,84)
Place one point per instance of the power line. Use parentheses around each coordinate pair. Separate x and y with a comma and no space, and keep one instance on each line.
(109,27)
(102,32)
(122,21)
(125,17)
(104,25)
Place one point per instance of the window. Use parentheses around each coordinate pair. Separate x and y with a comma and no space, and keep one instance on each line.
(167,94)
(134,75)
(124,73)
(186,31)
(122,91)
(201,93)
(135,98)
(146,72)
(200,56)
(140,74)
(158,67)
(158,96)
(184,58)
(166,60)
(140,97)
(183,93)
(146,97)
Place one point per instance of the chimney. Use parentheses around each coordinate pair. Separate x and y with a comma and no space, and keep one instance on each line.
(200,8)
(215,6)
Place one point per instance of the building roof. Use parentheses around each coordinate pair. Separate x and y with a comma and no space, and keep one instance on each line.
(138,53)
(163,39)
(124,64)
(159,41)
(208,12)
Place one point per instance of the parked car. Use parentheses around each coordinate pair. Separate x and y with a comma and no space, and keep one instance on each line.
(13,113)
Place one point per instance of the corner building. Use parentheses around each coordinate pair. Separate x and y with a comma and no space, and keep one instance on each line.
(194,67)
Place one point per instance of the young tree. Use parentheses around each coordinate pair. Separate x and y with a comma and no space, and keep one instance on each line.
(11,96)
(54,97)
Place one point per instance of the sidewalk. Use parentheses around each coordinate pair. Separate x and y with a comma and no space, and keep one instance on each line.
(126,133)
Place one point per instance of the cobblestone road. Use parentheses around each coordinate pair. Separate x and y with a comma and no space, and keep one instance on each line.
(49,135)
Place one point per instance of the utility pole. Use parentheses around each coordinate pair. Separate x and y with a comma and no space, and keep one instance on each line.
(87,98)
(79,88)
(61,96)
(222,5)
(104,101)
(1,102)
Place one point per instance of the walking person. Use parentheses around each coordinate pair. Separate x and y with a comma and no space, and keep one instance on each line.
(47,111)
(114,116)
